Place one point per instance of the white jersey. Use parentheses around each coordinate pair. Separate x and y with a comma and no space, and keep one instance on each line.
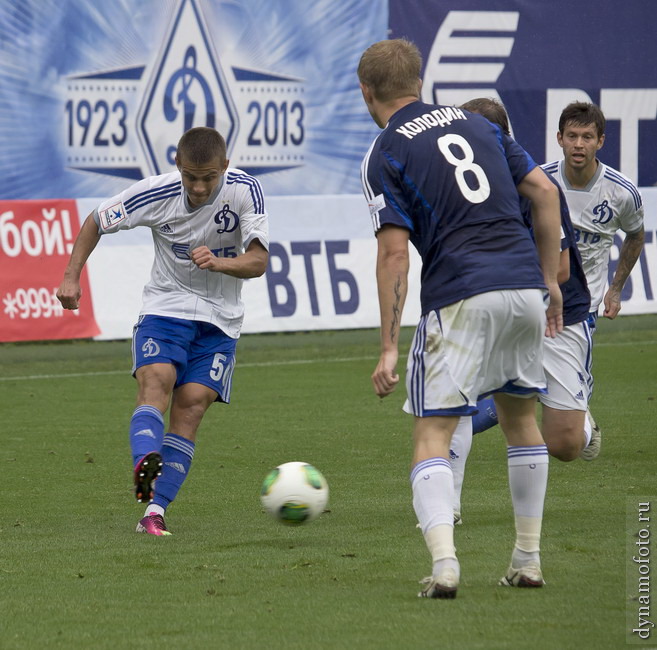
(610,202)
(233,217)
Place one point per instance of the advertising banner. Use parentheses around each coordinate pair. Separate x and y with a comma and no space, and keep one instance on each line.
(36,239)
(321,277)
(538,57)
(97,94)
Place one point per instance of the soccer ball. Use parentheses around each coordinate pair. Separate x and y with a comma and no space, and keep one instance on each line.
(294,493)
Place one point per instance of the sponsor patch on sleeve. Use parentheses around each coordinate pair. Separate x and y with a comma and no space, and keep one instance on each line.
(376,204)
(111,216)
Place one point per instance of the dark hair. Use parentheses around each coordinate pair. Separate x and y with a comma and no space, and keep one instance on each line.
(583,114)
(491,109)
(391,69)
(201,145)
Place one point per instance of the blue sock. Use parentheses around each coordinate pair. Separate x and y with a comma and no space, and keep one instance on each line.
(487,416)
(177,455)
(146,431)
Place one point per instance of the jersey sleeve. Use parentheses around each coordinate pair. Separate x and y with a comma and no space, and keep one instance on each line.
(379,178)
(254,222)
(567,232)
(519,161)
(130,208)
(631,217)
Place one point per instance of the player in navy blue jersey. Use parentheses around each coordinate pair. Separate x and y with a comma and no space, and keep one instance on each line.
(566,358)
(448,181)
(210,232)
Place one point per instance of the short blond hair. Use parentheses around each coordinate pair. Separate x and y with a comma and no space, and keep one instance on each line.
(391,69)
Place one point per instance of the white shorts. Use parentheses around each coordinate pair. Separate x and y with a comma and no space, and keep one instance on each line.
(489,343)
(567,363)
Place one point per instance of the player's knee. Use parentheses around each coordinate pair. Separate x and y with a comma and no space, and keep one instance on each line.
(188,410)
(563,433)
(189,404)
(565,454)
(564,447)
(157,397)
(155,385)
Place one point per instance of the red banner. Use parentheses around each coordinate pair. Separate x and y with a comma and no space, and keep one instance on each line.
(36,239)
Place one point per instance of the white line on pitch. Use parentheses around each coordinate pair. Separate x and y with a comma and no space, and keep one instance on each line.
(264,364)
(257,364)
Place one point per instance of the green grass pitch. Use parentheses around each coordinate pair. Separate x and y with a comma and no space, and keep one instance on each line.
(74,574)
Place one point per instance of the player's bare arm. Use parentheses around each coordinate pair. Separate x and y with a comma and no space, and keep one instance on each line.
(629,254)
(546,218)
(251,264)
(392,282)
(69,291)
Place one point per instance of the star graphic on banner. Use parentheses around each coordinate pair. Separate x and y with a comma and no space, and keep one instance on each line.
(10,305)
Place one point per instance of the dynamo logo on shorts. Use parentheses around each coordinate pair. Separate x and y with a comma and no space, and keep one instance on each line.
(150,348)
(187,89)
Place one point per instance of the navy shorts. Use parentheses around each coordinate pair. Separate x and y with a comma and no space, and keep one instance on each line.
(201,352)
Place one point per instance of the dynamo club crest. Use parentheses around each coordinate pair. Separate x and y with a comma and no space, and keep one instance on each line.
(188,88)
(127,122)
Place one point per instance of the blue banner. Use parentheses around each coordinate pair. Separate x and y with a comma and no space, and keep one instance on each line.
(95,95)
(536,58)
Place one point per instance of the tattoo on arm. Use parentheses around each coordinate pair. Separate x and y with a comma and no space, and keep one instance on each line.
(396,314)
(629,254)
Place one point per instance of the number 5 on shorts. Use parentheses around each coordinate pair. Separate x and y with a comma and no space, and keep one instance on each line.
(218,370)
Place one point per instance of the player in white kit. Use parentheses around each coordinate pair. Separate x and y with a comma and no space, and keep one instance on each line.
(601,201)
(210,232)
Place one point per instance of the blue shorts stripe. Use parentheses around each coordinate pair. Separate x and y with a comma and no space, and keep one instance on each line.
(458,411)
(589,355)
(511,389)
(417,377)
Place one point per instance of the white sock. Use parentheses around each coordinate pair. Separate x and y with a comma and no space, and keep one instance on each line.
(523,558)
(152,509)
(528,473)
(433,494)
(528,541)
(588,430)
(440,542)
(459,450)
